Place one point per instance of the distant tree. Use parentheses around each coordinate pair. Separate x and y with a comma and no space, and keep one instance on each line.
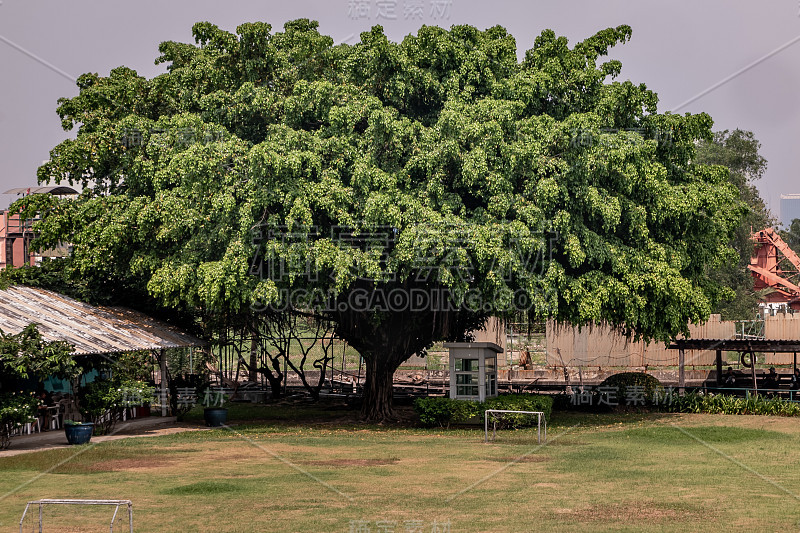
(440,165)
(737,150)
(792,235)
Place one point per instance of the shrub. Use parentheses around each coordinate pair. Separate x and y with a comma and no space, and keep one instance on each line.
(697,402)
(633,388)
(519,402)
(15,410)
(442,412)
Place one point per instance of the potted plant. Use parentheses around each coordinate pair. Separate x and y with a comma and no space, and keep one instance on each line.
(214,413)
(78,432)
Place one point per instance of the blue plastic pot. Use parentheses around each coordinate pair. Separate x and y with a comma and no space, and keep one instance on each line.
(215,416)
(79,433)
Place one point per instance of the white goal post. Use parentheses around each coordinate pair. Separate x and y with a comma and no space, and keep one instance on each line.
(117,503)
(494,412)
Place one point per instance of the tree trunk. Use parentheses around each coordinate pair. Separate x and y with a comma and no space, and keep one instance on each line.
(253,358)
(378,392)
(274,385)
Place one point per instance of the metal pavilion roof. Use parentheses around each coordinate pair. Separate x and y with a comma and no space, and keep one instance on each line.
(92,330)
(49,189)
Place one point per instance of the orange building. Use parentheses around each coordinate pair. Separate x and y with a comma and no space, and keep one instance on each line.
(16,234)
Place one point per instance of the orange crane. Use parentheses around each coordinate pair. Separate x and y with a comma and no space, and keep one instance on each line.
(770,269)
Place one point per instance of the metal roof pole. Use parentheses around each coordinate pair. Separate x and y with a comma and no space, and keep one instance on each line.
(681,370)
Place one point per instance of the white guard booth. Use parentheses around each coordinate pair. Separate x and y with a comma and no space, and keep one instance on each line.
(473,370)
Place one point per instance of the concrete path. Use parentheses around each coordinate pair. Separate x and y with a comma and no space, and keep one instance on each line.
(141,427)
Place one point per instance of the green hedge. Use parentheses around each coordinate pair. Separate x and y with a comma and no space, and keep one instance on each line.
(442,412)
(731,405)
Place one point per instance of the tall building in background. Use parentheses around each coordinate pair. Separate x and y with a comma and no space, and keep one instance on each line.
(790,208)
(16,233)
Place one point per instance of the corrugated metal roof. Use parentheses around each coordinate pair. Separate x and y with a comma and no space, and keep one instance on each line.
(90,329)
(49,189)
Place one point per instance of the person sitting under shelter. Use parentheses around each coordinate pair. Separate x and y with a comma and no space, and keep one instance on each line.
(45,401)
(796,379)
(729,380)
(772,380)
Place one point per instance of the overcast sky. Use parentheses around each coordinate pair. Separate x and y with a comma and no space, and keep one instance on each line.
(744,55)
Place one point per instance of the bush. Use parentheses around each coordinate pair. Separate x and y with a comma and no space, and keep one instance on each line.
(697,402)
(15,410)
(633,388)
(442,412)
(519,402)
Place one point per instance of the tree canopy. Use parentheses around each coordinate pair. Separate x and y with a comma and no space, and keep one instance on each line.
(439,163)
(737,150)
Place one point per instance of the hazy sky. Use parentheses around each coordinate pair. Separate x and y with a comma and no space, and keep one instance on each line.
(745,54)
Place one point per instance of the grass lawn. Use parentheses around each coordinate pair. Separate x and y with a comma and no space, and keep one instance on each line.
(306,469)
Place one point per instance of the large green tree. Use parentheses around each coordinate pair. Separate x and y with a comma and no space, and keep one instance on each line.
(264,167)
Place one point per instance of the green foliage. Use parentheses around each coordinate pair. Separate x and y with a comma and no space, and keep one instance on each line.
(197,383)
(792,235)
(18,408)
(738,152)
(696,402)
(15,410)
(649,386)
(543,185)
(27,354)
(442,412)
(444,129)
(55,275)
(136,366)
(519,402)
(103,400)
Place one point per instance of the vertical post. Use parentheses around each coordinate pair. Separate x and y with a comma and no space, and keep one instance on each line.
(753,370)
(482,375)
(451,364)
(40,517)
(163,361)
(130,515)
(719,368)
(681,370)
(539,428)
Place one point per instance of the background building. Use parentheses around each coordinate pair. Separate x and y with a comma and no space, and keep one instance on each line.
(16,234)
(790,208)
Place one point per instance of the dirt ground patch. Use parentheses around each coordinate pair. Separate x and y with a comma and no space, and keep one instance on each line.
(130,465)
(522,459)
(351,462)
(629,513)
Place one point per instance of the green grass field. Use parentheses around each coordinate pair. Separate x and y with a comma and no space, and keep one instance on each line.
(316,470)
